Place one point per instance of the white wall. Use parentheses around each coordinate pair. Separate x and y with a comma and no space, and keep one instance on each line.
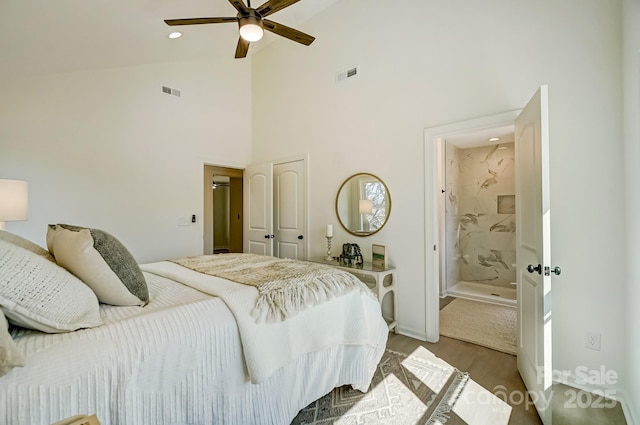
(632,153)
(107,149)
(427,63)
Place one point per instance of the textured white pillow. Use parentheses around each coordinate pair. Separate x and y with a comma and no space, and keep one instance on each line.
(26,244)
(10,355)
(101,261)
(38,294)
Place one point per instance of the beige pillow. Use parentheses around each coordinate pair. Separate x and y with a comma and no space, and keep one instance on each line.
(10,355)
(38,294)
(26,244)
(101,261)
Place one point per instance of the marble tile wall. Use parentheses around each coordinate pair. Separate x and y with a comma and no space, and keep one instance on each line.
(480,241)
(452,217)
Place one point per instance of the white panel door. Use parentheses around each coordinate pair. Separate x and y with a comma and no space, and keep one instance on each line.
(258,209)
(289,210)
(533,251)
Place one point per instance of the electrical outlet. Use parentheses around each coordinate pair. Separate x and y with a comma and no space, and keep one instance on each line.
(593,341)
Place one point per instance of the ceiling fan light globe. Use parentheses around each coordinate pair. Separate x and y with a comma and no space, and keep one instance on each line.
(251,32)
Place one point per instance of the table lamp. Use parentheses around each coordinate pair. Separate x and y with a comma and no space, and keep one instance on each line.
(366,208)
(14,201)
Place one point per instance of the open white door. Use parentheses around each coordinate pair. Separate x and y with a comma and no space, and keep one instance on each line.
(258,209)
(533,251)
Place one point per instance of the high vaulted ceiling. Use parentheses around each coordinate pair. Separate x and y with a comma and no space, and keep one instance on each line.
(47,36)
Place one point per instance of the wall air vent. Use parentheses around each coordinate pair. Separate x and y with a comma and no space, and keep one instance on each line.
(349,73)
(169,90)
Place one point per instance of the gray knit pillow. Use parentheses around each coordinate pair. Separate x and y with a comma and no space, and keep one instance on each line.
(100,261)
(38,294)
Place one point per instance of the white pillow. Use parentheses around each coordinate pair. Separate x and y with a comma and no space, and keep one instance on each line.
(10,355)
(38,294)
(26,244)
(101,261)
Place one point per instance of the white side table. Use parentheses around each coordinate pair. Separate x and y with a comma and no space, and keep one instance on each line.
(384,282)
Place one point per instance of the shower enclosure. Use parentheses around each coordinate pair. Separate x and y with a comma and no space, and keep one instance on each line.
(479,223)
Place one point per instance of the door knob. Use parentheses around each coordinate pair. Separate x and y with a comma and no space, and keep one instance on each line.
(531,268)
(269,236)
(300,237)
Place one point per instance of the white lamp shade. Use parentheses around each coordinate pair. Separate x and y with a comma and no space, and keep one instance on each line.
(366,206)
(14,200)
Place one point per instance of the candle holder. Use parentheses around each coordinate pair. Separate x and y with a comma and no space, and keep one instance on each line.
(329,257)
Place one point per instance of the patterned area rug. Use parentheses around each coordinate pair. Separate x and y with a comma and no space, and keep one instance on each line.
(405,390)
(489,325)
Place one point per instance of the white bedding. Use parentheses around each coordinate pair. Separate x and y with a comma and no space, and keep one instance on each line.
(178,360)
(351,319)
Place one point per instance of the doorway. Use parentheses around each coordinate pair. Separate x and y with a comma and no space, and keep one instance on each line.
(477,216)
(477,231)
(435,146)
(222,223)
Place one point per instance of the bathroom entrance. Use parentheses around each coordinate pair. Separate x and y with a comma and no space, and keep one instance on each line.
(477,233)
(533,235)
(477,216)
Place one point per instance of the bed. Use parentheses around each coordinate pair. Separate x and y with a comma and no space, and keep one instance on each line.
(196,351)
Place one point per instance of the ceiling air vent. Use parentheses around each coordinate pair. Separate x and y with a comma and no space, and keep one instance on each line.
(349,73)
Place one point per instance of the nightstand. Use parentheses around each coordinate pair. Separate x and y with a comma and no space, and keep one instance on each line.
(381,281)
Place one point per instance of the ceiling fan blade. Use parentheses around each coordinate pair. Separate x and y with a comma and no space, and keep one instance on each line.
(272,6)
(285,31)
(242,48)
(240,6)
(197,21)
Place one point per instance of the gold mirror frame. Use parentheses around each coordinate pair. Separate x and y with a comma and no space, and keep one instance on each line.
(360,213)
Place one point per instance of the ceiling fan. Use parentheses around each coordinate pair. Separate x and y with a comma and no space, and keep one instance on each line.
(252,23)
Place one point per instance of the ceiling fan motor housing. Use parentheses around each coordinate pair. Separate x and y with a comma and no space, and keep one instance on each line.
(250,24)
(251,16)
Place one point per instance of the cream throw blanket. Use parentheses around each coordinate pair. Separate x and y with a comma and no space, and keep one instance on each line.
(286,286)
(351,319)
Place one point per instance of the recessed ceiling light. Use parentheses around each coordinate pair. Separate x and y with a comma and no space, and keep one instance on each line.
(494,139)
(174,35)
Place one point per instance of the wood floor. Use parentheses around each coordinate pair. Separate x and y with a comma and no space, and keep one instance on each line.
(498,373)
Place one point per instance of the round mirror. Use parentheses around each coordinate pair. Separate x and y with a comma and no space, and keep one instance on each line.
(363,204)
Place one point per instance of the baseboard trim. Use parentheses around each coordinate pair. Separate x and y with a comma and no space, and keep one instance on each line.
(628,412)
(613,393)
(411,333)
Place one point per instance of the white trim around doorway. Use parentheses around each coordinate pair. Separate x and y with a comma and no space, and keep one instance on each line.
(434,138)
